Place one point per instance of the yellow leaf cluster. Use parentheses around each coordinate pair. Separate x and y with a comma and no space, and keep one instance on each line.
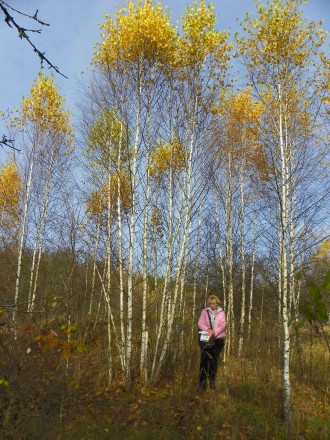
(105,138)
(280,35)
(167,156)
(201,39)
(241,115)
(242,108)
(122,189)
(323,251)
(326,98)
(10,189)
(140,32)
(97,204)
(45,108)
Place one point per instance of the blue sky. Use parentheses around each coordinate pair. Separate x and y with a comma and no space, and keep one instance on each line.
(68,41)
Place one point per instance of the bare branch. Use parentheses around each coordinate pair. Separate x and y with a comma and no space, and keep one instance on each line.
(8,142)
(22,33)
(33,17)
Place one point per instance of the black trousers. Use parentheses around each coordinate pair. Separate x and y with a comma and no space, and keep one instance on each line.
(209,362)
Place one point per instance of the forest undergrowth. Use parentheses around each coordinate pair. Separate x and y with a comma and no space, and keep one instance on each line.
(48,396)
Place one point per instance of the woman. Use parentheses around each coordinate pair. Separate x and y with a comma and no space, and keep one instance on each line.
(213,321)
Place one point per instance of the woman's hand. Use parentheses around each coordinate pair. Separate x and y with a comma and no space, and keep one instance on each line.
(210,332)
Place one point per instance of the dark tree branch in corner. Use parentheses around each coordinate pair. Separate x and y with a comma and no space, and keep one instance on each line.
(8,142)
(23,33)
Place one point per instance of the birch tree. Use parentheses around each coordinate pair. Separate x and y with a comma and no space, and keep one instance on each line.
(137,45)
(45,123)
(203,55)
(282,56)
(240,115)
(111,197)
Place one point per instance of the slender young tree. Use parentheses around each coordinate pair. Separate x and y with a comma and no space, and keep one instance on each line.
(239,116)
(282,55)
(45,122)
(203,55)
(136,46)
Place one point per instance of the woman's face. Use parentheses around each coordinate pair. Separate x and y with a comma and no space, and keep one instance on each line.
(213,305)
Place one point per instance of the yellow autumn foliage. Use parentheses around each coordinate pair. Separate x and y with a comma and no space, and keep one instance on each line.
(326,63)
(279,35)
(97,203)
(323,252)
(10,188)
(45,108)
(201,39)
(139,32)
(241,115)
(167,156)
(106,136)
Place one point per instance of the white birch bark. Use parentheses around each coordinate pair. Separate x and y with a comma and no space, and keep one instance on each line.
(133,170)
(229,253)
(144,332)
(284,268)
(184,239)
(221,256)
(180,314)
(108,272)
(111,322)
(23,227)
(196,268)
(165,295)
(39,238)
(120,239)
(243,296)
(96,245)
(252,271)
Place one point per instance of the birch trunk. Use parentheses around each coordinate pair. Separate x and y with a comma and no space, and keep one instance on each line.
(221,257)
(113,326)
(22,236)
(144,332)
(40,237)
(243,297)
(165,295)
(133,170)
(97,238)
(120,240)
(284,268)
(196,269)
(182,248)
(229,252)
(108,272)
(252,272)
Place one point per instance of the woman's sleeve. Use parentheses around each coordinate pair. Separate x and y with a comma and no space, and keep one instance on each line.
(202,322)
(220,329)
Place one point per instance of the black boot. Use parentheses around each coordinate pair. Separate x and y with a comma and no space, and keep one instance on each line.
(202,386)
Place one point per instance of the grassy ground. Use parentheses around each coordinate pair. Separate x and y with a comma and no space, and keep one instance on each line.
(46,396)
(246,405)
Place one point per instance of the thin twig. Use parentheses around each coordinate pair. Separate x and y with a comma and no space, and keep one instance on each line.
(8,142)
(22,33)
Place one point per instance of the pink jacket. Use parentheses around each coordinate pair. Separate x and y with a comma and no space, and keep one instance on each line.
(219,326)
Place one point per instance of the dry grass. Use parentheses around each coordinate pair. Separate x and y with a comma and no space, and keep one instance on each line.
(48,398)
(246,405)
